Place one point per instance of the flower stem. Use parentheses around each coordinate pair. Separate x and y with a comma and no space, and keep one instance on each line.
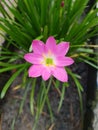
(44,99)
(46,91)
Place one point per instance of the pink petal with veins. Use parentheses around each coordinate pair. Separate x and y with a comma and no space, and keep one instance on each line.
(60,74)
(51,44)
(62,48)
(33,58)
(38,46)
(46,74)
(35,70)
(64,61)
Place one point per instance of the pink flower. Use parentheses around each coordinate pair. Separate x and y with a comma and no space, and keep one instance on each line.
(49,59)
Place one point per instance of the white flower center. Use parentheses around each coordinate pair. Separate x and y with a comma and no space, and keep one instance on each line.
(49,60)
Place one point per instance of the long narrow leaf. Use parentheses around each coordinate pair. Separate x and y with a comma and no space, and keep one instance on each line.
(9,82)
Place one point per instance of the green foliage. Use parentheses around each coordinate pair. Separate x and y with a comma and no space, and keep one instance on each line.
(38,19)
(35,18)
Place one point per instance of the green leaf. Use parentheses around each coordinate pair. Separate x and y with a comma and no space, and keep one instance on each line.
(9,82)
(79,88)
(32,96)
(89,62)
(85,50)
(10,67)
(62,95)
(28,85)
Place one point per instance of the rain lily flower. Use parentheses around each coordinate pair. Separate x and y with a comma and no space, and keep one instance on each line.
(49,59)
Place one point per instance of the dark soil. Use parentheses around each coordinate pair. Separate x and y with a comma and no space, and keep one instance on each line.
(69,117)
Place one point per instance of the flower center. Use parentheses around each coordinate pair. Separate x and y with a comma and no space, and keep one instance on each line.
(49,61)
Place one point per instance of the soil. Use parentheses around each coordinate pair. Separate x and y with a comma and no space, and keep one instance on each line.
(69,117)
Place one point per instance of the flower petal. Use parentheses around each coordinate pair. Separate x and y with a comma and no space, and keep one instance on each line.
(60,74)
(46,74)
(51,44)
(64,61)
(35,71)
(62,48)
(38,46)
(33,58)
